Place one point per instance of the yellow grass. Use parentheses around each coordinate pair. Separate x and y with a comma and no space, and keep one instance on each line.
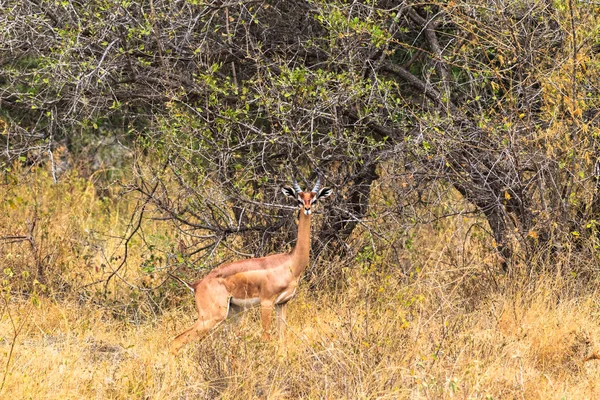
(511,350)
(424,327)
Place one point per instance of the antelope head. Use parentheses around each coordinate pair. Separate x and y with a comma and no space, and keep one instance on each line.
(306,199)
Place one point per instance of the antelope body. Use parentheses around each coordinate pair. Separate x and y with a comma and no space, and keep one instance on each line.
(268,281)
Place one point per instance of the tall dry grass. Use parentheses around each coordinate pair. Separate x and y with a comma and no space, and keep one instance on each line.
(437,321)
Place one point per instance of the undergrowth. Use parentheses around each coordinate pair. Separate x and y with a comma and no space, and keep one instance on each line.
(439,320)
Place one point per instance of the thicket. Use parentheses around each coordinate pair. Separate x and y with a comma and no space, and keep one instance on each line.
(142,139)
(496,100)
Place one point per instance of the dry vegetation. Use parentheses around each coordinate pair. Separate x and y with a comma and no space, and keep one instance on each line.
(458,258)
(438,321)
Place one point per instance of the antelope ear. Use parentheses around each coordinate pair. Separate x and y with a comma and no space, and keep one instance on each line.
(325,192)
(288,192)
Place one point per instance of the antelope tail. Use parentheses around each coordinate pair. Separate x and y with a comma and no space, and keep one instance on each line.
(192,287)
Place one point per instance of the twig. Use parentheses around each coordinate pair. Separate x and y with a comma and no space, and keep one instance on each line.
(16,333)
(128,239)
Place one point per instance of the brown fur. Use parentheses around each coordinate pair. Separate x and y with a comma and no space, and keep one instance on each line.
(272,279)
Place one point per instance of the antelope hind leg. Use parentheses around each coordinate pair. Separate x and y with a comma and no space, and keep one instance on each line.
(213,305)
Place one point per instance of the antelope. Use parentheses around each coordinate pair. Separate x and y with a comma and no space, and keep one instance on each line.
(269,281)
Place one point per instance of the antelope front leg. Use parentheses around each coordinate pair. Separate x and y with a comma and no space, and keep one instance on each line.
(281,310)
(266,311)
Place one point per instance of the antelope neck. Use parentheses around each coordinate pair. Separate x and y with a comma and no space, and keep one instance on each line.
(301,251)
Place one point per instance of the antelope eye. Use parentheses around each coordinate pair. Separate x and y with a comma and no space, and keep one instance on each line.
(300,202)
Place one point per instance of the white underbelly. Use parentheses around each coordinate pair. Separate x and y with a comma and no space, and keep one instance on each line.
(246,303)
(284,297)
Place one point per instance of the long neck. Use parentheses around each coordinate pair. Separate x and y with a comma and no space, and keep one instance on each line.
(302,249)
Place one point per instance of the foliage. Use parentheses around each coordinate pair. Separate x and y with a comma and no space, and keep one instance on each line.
(498,102)
(142,139)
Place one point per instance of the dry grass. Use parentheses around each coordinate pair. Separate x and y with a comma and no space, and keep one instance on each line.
(338,346)
(445,325)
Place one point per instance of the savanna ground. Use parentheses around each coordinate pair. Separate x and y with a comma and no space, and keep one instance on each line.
(439,319)
(458,257)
